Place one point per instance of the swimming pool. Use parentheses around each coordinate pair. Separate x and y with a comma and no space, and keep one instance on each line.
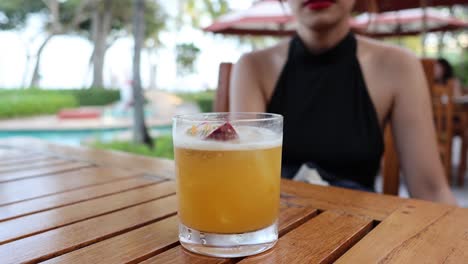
(76,137)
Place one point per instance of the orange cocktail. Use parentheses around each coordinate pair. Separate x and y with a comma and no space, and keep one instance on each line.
(228,169)
(228,191)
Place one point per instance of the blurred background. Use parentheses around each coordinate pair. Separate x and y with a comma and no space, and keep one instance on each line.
(67,75)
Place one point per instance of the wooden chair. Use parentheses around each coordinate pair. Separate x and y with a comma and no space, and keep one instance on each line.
(460,128)
(443,113)
(221,103)
(442,102)
(391,172)
(391,164)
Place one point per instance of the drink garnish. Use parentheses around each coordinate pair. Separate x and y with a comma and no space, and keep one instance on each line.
(207,131)
(201,130)
(224,132)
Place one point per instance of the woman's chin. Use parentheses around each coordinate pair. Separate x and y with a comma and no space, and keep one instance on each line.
(319,23)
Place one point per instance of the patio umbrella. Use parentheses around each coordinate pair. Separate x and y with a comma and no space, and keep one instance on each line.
(392,5)
(264,18)
(272,18)
(406,22)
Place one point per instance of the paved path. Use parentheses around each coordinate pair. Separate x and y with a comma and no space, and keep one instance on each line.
(163,106)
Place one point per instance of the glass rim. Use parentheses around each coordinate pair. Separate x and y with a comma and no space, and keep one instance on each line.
(193,117)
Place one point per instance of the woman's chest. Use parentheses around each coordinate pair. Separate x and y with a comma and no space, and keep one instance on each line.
(379,88)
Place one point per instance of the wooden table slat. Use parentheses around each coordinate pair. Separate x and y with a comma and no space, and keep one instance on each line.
(133,246)
(17,191)
(161,167)
(32,165)
(290,218)
(43,221)
(320,240)
(22,158)
(7,152)
(368,204)
(414,229)
(72,237)
(53,169)
(66,198)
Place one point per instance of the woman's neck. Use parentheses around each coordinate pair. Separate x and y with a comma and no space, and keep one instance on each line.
(318,41)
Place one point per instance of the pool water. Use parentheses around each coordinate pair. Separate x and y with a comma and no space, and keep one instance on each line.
(76,137)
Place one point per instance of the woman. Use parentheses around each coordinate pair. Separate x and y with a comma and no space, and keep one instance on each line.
(443,73)
(336,92)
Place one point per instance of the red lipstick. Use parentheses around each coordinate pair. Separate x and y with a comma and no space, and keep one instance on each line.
(318,4)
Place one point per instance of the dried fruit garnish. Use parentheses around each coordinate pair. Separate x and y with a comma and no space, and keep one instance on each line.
(201,130)
(224,132)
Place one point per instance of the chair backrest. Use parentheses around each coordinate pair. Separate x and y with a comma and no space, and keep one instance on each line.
(391,164)
(428,67)
(221,103)
(443,107)
(443,112)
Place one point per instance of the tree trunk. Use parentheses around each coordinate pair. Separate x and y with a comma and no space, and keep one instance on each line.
(140,133)
(100,28)
(35,77)
(440,44)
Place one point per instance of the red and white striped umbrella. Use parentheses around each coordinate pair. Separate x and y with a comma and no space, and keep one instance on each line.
(393,5)
(273,18)
(406,22)
(267,17)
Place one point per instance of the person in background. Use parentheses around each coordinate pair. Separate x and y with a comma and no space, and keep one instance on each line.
(443,73)
(337,92)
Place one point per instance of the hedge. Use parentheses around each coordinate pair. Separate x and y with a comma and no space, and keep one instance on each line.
(95,97)
(33,101)
(203,99)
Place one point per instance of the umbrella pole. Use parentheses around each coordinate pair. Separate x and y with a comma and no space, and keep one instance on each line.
(424,27)
(399,29)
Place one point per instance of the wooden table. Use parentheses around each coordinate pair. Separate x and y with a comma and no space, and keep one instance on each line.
(76,205)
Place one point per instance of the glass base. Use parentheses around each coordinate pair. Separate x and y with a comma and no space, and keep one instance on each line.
(228,245)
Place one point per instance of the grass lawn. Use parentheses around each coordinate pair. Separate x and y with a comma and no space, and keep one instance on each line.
(164,147)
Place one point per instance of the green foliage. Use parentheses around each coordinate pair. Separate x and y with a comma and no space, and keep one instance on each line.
(461,69)
(203,99)
(187,54)
(155,20)
(195,11)
(95,96)
(16,12)
(30,102)
(163,149)
(216,8)
(122,12)
(16,103)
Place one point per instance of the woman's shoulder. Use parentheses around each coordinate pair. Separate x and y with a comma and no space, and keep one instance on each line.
(390,60)
(266,58)
(378,50)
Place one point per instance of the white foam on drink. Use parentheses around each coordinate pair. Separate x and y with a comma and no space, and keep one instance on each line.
(249,138)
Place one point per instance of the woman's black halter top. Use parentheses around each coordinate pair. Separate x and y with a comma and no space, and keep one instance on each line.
(329,118)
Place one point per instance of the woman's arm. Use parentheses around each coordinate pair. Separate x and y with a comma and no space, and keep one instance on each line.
(415,134)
